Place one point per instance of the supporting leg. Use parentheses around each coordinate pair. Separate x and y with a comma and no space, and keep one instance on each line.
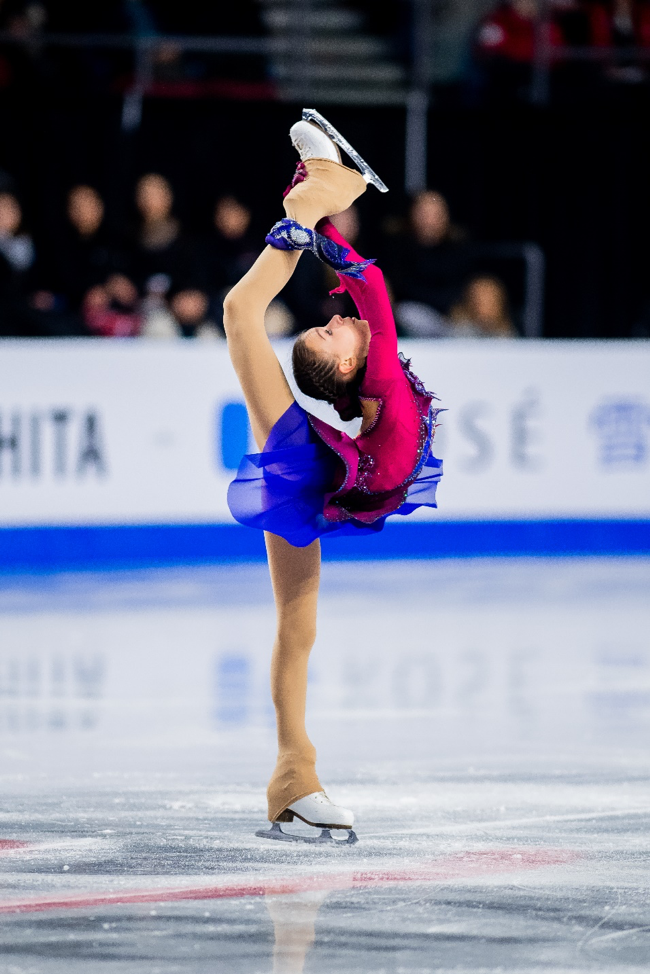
(295,575)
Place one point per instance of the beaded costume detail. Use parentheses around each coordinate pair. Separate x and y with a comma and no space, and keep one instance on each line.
(288,235)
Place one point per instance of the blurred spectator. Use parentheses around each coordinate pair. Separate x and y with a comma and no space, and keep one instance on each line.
(483,311)
(185,315)
(507,37)
(157,319)
(278,320)
(629,22)
(20,314)
(190,311)
(231,249)
(428,267)
(159,246)
(228,252)
(626,24)
(418,320)
(604,24)
(16,260)
(111,310)
(25,311)
(83,255)
(24,18)
(85,211)
(16,246)
(508,32)
(505,46)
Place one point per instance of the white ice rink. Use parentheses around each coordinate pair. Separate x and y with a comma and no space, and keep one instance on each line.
(488,721)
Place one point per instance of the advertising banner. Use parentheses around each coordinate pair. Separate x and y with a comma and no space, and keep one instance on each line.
(133,432)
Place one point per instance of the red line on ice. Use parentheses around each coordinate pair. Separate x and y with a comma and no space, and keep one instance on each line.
(460,866)
(9,844)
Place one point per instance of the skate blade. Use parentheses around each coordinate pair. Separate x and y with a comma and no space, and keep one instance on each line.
(370,176)
(325,837)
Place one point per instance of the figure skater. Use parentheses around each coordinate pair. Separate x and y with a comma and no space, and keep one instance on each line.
(311,478)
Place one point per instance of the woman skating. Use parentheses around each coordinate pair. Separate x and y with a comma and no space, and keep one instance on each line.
(310,478)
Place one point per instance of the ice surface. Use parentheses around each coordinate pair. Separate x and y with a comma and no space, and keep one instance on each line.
(488,721)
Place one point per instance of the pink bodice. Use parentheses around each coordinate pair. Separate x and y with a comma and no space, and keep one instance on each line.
(377,466)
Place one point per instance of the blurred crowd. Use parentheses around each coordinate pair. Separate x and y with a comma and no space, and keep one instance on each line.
(488,46)
(155,279)
(507,37)
(29,65)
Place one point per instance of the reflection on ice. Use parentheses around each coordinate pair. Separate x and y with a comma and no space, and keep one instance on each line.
(487,721)
(48,690)
(477,655)
(294,919)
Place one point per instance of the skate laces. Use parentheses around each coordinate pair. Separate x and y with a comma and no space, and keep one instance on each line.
(288,235)
(299,143)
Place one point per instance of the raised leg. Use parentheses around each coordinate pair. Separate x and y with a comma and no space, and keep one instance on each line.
(329,188)
(295,575)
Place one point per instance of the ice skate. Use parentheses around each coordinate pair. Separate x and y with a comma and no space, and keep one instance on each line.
(311,115)
(318,811)
(311,142)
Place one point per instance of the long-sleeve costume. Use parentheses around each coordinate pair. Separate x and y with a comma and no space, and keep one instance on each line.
(313,479)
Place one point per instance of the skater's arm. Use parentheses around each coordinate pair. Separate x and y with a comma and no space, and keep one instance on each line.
(246,303)
(373,304)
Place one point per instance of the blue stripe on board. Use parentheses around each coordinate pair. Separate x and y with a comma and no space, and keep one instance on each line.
(50,548)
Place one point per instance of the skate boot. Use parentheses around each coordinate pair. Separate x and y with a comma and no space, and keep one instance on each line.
(322,185)
(311,142)
(316,810)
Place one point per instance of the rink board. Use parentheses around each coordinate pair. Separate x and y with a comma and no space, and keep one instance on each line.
(121,453)
(130,546)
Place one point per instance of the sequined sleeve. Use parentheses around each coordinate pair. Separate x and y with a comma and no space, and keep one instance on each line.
(373,304)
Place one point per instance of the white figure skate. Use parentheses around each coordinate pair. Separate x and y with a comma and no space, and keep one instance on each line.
(317,810)
(321,143)
(312,143)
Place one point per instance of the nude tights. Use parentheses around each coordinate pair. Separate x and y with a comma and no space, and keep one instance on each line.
(295,576)
(295,572)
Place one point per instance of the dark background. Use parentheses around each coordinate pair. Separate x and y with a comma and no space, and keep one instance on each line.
(572,175)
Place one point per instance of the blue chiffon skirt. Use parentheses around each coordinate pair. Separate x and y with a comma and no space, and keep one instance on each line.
(282,489)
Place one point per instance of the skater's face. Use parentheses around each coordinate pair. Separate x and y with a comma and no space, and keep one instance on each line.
(345,340)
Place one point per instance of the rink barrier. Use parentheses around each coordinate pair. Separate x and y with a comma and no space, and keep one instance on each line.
(88,547)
